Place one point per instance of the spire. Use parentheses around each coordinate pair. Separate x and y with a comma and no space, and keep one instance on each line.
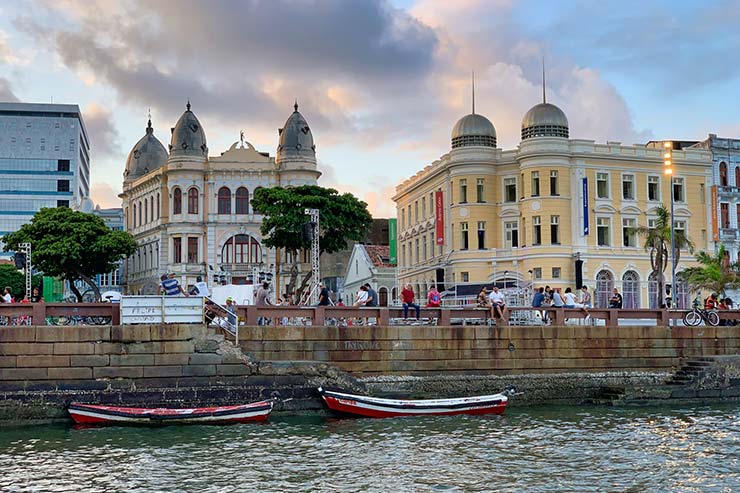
(543,80)
(473,86)
(295,106)
(149,128)
(188,105)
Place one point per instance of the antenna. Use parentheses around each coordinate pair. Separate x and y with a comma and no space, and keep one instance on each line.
(473,86)
(544,100)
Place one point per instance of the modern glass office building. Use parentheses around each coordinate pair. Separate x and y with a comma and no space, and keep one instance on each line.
(44,160)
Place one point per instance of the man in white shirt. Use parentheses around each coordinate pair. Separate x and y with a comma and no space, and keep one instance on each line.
(570,302)
(201,288)
(7,296)
(498,303)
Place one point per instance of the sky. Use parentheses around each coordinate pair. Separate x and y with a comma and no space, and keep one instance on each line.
(380,82)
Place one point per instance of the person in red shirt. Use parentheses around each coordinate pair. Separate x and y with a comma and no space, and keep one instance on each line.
(409,300)
(434,299)
(711,303)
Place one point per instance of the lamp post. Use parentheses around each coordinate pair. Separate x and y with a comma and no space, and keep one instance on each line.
(668,169)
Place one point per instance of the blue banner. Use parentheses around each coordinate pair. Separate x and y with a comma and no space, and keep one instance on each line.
(585,206)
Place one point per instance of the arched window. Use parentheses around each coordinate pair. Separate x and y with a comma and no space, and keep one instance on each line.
(241,249)
(151,208)
(224,200)
(383,296)
(394,295)
(631,289)
(177,201)
(134,220)
(254,193)
(737,176)
(723,174)
(193,200)
(653,298)
(604,286)
(140,213)
(158,208)
(146,210)
(242,200)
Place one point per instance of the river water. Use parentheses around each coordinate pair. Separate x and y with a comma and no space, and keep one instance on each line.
(682,449)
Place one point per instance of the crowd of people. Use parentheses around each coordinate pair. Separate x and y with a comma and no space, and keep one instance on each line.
(7,296)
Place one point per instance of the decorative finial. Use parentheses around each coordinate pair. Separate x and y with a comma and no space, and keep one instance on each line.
(188,105)
(295,106)
(544,100)
(241,138)
(149,116)
(473,85)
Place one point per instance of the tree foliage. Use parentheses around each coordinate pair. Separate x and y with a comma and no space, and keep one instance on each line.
(72,245)
(714,272)
(16,280)
(657,242)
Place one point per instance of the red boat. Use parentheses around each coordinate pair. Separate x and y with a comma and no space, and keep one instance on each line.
(374,407)
(91,414)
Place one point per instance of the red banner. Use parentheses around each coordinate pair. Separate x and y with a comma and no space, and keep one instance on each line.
(439,215)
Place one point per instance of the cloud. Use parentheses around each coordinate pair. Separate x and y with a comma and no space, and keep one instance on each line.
(104,195)
(103,135)
(6,92)
(381,188)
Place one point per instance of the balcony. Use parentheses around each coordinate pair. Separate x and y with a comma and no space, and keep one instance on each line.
(728,192)
(729,234)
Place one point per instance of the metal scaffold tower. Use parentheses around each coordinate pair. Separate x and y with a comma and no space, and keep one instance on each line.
(313,296)
(26,247)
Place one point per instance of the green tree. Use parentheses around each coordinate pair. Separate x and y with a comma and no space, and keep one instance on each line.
(714,272)
(657,242)
(342,217)
(16,280)
(72,245)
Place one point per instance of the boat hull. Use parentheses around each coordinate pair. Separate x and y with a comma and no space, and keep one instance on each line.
(90,414)
(373,407)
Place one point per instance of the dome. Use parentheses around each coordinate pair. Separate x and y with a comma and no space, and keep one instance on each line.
(544,120)
(148,154)
(473,130)
(86,205)
(188,137)
(296,140)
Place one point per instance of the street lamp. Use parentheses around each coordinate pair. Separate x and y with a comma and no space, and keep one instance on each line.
(668,170)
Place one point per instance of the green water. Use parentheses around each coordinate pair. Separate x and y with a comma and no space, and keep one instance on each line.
(683,449)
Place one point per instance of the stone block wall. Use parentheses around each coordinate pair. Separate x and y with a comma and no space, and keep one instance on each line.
(422,350)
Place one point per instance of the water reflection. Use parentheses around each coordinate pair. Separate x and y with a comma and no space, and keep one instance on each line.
(553,449)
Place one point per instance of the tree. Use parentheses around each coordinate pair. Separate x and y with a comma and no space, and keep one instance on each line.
(72,245)
(16,280)
(657,241)
(342,217)
(715,272)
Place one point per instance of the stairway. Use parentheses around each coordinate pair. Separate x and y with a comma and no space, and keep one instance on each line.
(689,371)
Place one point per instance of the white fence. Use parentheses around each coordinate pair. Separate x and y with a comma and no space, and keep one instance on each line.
(161,310)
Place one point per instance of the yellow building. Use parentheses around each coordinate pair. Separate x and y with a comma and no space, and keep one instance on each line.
(481,214)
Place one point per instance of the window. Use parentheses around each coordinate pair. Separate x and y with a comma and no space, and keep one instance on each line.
(724,214)
(628,187)
(403,255)
(723,181)
(554,183)
(62,185)
(536,230)
(535,183)
(464,236)
(158,207)
(629,232)
(602,231)
(146,211)
(602,185)
(653,188)
(177,201)
(480,198)
(224,200)
(604,287)
(141,207)
(192,250)
(432,204)
(481,235)
(702,196)
(242,200)
(193,200)
(737,176)
(403,218)
(555,230)
(631,290)
(510,189)
(134,215)
(537,272)
(680,230)
(151,208)
(511,234)
(738,216)
(177,250)
(556,272)
(424,247)
(416,212)
(463,191)
(423,207)
(416,246)
(63,165)
(678,195)
(464,277)
(62,203)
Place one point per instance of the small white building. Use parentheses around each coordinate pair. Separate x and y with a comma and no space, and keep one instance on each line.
(370,264)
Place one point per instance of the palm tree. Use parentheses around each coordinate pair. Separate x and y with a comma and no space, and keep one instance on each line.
(715,272)
(657,242)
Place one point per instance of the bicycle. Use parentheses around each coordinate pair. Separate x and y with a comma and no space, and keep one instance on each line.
(697,315)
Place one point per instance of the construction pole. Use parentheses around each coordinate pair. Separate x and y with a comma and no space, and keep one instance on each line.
(315,253)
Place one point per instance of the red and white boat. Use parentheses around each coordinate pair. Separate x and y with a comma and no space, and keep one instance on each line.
(91,414)
(375,407)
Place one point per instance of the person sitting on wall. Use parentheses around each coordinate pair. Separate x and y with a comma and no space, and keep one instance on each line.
(711,302)
(616,300)
(538,300)
(409,301)
(170,286)
(482,300)
(434,299)
(498,303)
(570,302)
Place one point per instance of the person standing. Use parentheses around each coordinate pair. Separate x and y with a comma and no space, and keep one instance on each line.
(616,300)
(372,296)
(323,295)
(409,301)
(262,298)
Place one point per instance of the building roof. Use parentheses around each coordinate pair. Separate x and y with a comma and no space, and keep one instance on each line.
(188,137)
(147,155)
(379,255)
(48,110)
(473,130)
(544,120)
(296,140)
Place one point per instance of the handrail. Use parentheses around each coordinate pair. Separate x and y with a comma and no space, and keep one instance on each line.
(231,327)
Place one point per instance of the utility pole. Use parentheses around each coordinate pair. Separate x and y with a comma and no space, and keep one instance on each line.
(315,252)
(668,162)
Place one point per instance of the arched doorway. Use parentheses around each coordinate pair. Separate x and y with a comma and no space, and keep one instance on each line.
(383,296)
(631,289)
(653,298)
(604,286)
(394,295)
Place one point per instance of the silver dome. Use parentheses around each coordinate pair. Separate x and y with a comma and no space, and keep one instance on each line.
(296,140)
(544,120)
(188,137)
(473,130)
(147,155)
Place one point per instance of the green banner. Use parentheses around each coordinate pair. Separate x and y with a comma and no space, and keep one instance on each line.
(392,237)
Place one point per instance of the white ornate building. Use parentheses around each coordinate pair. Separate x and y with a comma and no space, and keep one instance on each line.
(191,214)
